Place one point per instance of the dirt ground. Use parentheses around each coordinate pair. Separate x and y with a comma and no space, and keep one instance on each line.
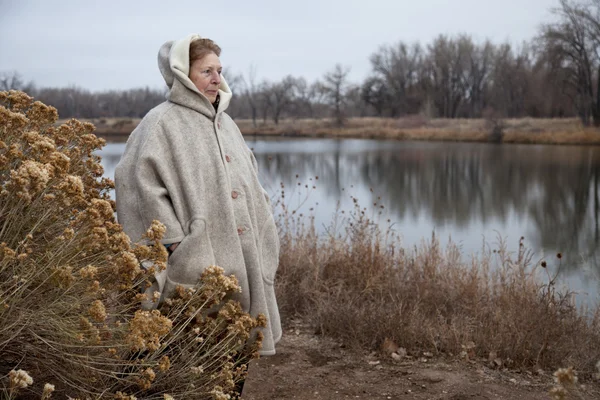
(313,367)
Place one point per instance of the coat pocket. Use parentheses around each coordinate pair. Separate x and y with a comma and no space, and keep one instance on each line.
(193,254)
(269,250)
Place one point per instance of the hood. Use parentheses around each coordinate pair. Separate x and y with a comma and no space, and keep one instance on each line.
(174,65)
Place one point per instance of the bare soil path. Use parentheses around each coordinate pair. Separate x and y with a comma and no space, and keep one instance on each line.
(308,366)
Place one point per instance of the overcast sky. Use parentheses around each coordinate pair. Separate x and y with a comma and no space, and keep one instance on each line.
(110,44)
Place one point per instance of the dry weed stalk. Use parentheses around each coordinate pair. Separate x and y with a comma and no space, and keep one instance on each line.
(70,282)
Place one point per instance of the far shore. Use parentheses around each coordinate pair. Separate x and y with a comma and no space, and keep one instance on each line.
(524,130)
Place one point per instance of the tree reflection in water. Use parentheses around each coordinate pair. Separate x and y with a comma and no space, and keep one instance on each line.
(549,194)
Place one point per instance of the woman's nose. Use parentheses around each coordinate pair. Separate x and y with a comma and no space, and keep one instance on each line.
(216,78)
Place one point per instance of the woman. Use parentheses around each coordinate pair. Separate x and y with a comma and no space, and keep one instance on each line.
(187,165)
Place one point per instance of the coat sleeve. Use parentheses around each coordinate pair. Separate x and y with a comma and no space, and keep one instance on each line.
(151,175)
(141,190)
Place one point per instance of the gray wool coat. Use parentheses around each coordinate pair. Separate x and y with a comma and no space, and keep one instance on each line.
(187,165)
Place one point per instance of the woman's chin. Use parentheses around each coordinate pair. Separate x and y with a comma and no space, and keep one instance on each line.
(211,96)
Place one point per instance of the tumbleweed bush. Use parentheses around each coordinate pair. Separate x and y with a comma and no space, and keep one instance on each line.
(71,321)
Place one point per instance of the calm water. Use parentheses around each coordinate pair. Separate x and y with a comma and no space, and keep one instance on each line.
(468,192)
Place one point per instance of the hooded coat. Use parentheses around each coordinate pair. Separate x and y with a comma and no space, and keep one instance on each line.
(188,166)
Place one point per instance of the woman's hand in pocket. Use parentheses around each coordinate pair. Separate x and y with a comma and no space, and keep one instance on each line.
(172,247)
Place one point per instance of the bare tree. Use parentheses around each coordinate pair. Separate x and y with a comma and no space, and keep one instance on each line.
(447,61)
(265,101)
(11,81)
(304,99)
(317,98)
(592,19)
(570,47)
(396,67)
(375,93)
(251,92)
(280,96)
(510,81)
(354,103)
(335,86)
(476,74)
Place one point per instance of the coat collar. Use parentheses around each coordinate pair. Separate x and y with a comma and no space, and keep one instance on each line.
(182,95)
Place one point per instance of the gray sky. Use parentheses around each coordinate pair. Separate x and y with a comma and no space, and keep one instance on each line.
(113,44)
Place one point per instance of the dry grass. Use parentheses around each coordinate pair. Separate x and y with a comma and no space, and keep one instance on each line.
(360,285)
(71,320)
(525,130)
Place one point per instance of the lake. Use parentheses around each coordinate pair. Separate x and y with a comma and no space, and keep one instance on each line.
(469,192)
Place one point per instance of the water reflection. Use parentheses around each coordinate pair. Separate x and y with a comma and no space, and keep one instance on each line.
(549,194)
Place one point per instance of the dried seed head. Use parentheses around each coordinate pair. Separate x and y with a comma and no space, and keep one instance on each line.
(97,311)
(197,370)
(558,393)
(565,376)
(156,231)
(47,393)
(218,394)
(19,379)
(164,364)
(88,272)
(145,380)
(146,330)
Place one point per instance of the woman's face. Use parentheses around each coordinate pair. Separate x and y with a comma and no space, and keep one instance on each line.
(206,75)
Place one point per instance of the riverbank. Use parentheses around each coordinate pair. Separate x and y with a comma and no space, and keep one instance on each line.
(309,367)
(359,286)
(526,130)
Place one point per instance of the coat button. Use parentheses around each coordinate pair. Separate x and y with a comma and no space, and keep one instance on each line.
(227,158)
(234,194)
(240,231)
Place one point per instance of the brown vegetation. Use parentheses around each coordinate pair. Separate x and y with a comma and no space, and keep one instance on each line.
(523,130)
(71,317)
(362,287)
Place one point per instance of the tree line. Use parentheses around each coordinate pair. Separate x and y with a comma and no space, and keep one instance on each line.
(556,74)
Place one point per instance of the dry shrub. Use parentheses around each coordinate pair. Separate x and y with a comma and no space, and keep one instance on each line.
(360,285)
(71,282)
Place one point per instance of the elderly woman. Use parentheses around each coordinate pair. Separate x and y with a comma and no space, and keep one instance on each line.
(187,165)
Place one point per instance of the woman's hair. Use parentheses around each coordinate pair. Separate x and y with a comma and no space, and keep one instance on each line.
(201,47)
